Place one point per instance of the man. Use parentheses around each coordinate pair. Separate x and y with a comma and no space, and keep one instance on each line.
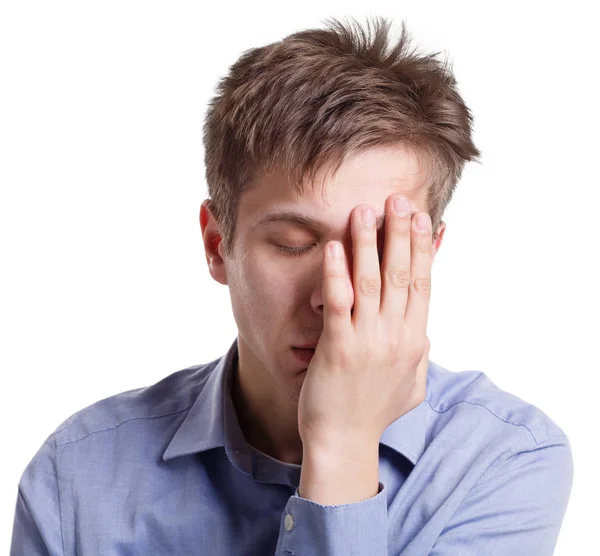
(325,429)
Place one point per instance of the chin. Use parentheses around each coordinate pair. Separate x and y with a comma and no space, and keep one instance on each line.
(288,376)
(294,386)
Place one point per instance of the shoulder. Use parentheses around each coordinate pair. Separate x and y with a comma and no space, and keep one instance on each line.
(495,438)
(464,398)
(172,395)
(503,463)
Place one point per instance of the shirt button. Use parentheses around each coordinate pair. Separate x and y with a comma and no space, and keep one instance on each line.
(289,522)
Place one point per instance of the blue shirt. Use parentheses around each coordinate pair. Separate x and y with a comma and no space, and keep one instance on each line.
(165,470)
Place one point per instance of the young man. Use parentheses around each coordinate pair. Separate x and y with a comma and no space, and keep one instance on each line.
(325,429)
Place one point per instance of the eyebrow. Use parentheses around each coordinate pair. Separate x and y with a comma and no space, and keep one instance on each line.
(305,221)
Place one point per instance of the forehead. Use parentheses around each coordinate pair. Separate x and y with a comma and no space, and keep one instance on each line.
(369,177)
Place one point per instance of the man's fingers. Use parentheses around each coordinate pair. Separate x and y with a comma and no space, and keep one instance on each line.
(417,309)
(366,272)
(395,271)
(336,298)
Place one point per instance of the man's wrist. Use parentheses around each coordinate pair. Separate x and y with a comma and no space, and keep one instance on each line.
(338,474)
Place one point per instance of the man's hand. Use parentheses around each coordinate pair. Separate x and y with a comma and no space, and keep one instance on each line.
(369,367)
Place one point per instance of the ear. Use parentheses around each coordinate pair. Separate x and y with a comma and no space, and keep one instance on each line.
(440,236)
(212,245)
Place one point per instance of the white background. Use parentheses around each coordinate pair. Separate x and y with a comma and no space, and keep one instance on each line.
(104,283)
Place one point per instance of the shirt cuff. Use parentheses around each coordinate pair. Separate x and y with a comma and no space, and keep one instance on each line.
(359,528)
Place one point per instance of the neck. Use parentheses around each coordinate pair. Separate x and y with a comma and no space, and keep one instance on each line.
(267,417)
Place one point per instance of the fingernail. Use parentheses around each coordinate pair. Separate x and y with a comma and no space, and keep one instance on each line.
(368,217)
(401,206)
(423,222)
(336,250)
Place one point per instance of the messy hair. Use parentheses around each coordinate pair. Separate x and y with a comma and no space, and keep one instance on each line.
(304,103)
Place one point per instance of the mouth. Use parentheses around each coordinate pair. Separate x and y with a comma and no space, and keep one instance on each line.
(307,346)
(304,355)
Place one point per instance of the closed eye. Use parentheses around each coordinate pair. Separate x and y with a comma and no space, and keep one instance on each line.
(294,251)
(299,251)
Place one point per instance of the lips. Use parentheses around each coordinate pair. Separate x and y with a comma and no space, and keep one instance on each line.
(313,345)
(303,354)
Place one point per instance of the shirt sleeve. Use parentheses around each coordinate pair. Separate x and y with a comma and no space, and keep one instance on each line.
(37,527)
(359,528)
(517,507)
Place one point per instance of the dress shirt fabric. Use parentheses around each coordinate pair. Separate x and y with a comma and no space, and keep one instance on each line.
(166,470)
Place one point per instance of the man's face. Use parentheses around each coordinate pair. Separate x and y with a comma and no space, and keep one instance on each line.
(276,296)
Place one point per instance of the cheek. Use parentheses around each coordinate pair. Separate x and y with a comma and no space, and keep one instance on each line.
(272,283)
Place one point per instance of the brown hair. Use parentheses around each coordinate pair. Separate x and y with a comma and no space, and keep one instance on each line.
(309,100)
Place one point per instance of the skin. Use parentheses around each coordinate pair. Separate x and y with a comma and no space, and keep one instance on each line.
(368,310)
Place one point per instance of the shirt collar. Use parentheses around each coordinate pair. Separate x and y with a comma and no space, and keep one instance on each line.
(212,422)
